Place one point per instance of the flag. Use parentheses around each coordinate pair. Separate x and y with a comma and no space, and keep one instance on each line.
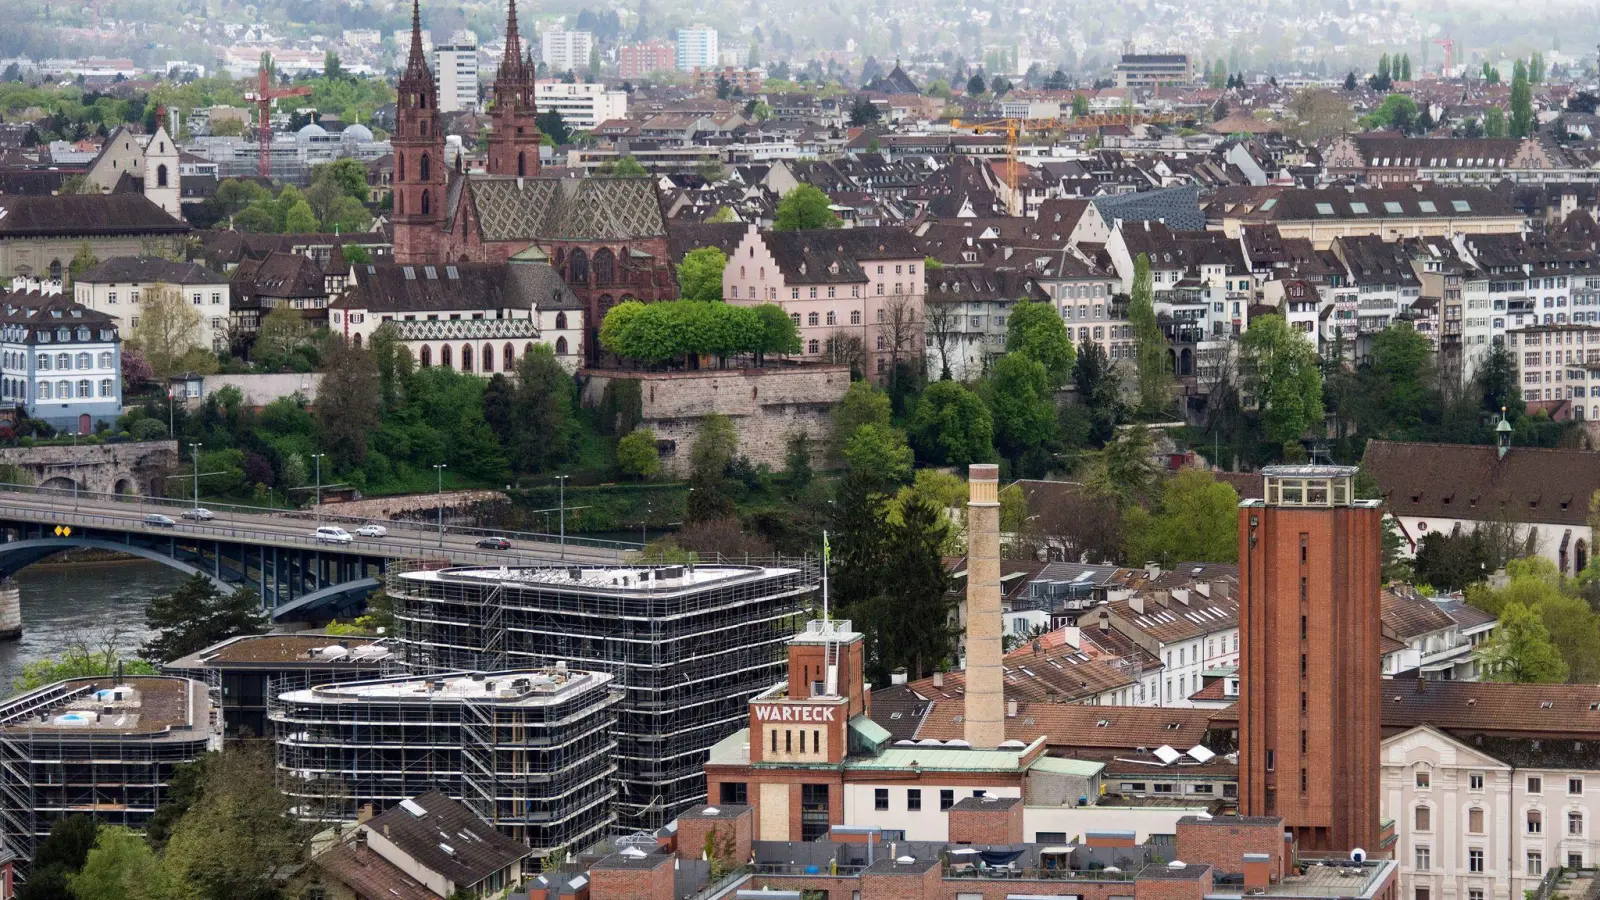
(825,551)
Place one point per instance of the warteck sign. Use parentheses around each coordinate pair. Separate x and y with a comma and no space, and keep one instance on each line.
(784,712)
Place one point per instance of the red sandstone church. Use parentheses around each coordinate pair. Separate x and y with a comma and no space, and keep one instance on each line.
(606,237)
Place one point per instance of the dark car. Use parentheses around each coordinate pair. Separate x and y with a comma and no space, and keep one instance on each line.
(494,544)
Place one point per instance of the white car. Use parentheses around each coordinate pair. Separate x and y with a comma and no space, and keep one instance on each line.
(372,531)
(333,534)
(199,514)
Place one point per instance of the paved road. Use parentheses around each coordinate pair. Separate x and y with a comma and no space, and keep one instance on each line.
(404,540)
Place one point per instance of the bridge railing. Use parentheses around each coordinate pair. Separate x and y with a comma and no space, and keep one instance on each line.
(223,531)
(412,526)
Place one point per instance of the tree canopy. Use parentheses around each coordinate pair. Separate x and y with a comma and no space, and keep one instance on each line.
(1036,331)
(804,207)
(700,274)
(657,332)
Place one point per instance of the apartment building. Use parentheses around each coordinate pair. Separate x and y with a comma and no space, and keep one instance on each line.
(646,57)
(1559,362)
(117,286)
(455,66)
(1192,630)
(566,51)
(697,48)
(583,106)
(1148,70)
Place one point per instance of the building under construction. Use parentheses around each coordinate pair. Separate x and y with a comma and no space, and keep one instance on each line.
(102,746)
(531,751)
(689,645)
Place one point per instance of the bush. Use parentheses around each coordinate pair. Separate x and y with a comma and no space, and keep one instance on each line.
(637,456)
(148,430)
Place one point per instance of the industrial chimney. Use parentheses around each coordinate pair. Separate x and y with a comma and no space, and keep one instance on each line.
(985,700)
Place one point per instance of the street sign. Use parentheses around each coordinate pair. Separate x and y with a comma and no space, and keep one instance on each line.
(63,531)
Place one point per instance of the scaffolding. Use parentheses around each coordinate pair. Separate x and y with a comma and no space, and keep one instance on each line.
(530,752)
(688,645)
(80,746)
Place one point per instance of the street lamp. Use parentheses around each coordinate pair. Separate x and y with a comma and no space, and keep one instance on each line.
(194,448)
(438,469)
(317,503)
(562,481)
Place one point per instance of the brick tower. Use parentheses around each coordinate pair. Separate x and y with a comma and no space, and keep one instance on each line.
(1310,567)
(419,169)
(513,134)
(985,719)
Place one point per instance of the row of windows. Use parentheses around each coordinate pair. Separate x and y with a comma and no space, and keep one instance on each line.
(1423,858)
(812,319)
(947,799)
(62,362)
(1422,820)
(1535,783)
(17,389)
(508,355)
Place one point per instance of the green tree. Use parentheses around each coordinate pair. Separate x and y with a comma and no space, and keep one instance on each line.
(1398,112)
(1099,391)
(238,833)
(1491,75)
(797,460)
(1494,122)
(710,495)
(1521,122)
(120,867)
(1197,521)
(625,166)
(82,261)
(299,219)
(1036,331)
(637,456)
(553,126)
(880,451)
(331,67)
(1403,370)
(1155,371)
(862,404)
(198,614)
(1080,106)
(952,426)
(1497,379)
(700,274)
(1019,398)
(60,856)
(1281,374)
(542,412)
(169,327)
(906,616)
(280,339)
(1405,67)
(347,403)
(1124,468)
(1519,650)
(804,207)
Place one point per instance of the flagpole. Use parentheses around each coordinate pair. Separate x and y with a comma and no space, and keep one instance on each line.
(825,557)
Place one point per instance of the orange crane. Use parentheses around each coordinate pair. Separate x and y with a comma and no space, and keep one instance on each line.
(263,96)
(1449,46)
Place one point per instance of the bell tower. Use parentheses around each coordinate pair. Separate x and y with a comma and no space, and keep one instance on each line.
(419,169)
(514,133)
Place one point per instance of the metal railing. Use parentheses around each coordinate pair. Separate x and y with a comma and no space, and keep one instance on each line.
(424,530)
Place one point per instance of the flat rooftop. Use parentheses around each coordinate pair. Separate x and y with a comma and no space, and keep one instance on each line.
(101,706)
(522,686)
(307,650)
(638,580)
(1334,878)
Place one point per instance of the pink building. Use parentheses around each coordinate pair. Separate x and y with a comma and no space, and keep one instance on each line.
(855,293)
(645,57)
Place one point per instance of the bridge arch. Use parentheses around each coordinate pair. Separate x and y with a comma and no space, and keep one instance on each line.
(18,555)
(61,483)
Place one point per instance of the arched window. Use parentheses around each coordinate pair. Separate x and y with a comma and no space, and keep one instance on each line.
(63,390)
(561,346)
(425,169)
(399,167)
(561,320)
(427,206)
(64,361)
(488,357)
(578,267)
(161,175)
(55,270)
(356,340)
(105,360)
(427,356)
(85,361)
(527,349)
(522,165)
(605,266)
(508,357)
(444,356)
(400,202)
(466,357)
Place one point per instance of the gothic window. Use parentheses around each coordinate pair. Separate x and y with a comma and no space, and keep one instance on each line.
(55,270)
(488,357)
(400,166)
(466,357)
(561,346)
(561,320)
(605,266)
(508,357)
(522,165)
(578,267)
(527,349)
(161,176)
(444,356)
(427,205)
(427,356)
(426,169)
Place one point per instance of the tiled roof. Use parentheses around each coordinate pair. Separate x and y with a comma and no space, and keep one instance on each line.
(1168,619)
(280,274)
(1410,615)
(1534,710)
(369,875)
(837,255)
(562,209)
(84,214)
(962,283)
(1466,481)
(466,329)
(1055,672)
(479,850)
(1269,204)
(388,288)
(1177,207)
(682,237)
(149,269)
(1075,725)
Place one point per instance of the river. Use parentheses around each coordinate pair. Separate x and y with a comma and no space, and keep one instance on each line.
(82,601)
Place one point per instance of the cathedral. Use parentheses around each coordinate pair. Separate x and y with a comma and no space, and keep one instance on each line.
(605,237)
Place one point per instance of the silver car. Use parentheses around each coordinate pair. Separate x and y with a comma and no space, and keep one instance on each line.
(372,531)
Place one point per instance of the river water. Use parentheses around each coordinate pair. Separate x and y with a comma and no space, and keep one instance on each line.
(93,602)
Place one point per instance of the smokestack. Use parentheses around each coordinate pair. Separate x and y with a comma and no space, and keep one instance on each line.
(985,701)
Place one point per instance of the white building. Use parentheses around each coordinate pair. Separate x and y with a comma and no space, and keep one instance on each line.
(565,51)
(697,48)
(582,106)
(455,64)
(59,361)
(1192,630)
(117,286)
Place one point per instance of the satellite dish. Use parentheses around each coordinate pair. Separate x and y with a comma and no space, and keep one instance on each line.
(1358,855)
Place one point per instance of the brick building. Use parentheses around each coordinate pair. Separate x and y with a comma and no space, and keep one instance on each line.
(1310,567)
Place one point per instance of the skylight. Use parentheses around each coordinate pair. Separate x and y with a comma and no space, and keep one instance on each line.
(1325,209)
(1461,205)
(1427,206)
(1391,207)
(1358,208)
(1269,203)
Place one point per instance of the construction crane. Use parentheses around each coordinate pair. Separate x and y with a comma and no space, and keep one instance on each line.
(1449,46)
(262,97)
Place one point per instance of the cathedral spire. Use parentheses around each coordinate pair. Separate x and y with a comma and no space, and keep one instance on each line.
(417,62)
(511,64)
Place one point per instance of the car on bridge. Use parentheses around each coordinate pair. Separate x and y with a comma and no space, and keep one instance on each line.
(199,514)
(159,520)
(494,543)
(372,531)
(333,534)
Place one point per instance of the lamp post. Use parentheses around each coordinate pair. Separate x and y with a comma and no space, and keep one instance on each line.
(194,448)
(317,503)
(438,469)
(562,494)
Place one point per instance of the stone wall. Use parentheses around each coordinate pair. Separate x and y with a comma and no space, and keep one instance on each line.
(123,468)
(766,406)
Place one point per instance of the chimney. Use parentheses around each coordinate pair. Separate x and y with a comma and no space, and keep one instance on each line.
(361,844)
(938,679)
(1011,709)
(985,699)
(1220,590)
(898,676)
(1136,603)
